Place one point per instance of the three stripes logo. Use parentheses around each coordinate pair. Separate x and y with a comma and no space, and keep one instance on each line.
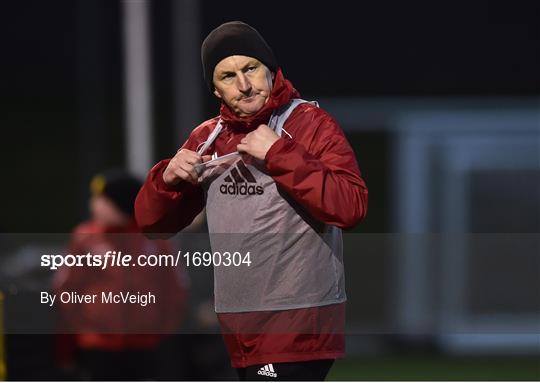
(267,370)
(240,181)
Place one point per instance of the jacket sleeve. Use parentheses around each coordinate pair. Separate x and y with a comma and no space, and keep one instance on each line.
(318,169)
(162,210)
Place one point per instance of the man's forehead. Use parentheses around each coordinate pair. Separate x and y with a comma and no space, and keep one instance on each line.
(232,63)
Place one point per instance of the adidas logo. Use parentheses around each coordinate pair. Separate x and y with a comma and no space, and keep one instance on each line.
(267,370)
(240,181)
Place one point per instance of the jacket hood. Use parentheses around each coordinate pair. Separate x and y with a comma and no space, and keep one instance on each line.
(282,92)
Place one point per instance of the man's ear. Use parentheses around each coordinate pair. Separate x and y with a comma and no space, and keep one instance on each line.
(217,93)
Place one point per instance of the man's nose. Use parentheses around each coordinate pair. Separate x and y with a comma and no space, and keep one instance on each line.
(243,83)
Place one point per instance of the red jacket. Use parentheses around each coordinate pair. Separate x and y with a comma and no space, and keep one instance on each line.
(317,168)
(117,327)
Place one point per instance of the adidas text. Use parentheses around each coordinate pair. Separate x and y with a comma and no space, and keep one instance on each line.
(241,189)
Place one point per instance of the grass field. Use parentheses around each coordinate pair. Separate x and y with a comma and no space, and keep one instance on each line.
(436,368)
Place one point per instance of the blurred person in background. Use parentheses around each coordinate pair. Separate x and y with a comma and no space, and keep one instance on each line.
(104,341)
(290,170)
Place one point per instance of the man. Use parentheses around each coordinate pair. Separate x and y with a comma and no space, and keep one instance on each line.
(284,198)
(106,341)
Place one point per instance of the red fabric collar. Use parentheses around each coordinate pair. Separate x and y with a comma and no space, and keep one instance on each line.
(282,92)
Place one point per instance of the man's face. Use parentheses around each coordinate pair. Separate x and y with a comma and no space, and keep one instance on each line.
(105,212)
(243,83)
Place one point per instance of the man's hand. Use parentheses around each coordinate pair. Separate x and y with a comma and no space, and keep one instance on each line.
(182,167)
(258,142)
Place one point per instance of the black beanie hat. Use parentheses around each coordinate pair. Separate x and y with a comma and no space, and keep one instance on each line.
(119,186)
(234,38)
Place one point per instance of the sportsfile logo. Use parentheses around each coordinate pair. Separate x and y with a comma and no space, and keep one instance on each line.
(240,181)
(267,370)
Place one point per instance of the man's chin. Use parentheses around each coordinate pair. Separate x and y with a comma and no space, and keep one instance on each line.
(246,112)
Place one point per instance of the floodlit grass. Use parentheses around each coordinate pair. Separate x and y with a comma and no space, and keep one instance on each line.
(436,368)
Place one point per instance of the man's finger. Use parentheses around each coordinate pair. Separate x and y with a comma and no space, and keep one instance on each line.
(242,148)
(184,175)
(185,153)
(192,158)
(190,169)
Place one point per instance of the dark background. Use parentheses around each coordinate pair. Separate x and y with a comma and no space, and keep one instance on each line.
(62,83)
(63,119)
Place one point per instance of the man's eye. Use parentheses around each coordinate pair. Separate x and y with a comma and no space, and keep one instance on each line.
(252,68)
(227,76)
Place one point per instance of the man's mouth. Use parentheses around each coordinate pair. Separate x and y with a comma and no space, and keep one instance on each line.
(248,99)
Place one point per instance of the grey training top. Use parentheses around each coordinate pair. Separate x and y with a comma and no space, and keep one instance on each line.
(296,261)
